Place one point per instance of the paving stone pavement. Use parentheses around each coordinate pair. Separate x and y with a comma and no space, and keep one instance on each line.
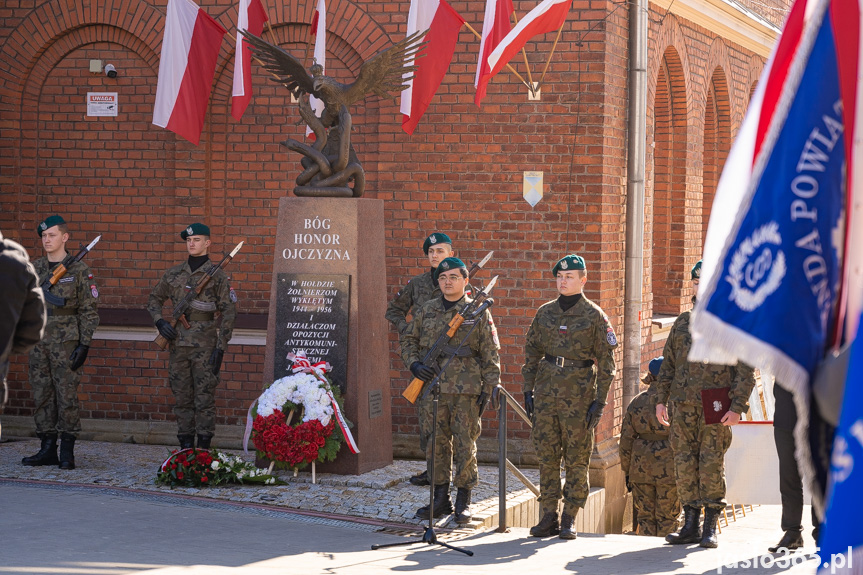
(383,494)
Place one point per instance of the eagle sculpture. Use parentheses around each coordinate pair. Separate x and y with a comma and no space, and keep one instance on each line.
(331,163)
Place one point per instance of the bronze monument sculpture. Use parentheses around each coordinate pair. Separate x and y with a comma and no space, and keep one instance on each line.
(331,163)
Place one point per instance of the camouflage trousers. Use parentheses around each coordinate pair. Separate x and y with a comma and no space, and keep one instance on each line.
(458,427)
(560,433)
(426,422)
(657,508)
(194,387)
(699,456)
(55,388)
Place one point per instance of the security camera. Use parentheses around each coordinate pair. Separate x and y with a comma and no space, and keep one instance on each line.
(110,71)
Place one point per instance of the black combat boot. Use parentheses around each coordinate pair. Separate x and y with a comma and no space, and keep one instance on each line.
(204,441)
(186,441)
(790,541)
(442,503)
(690,532)
(566,530)
(462,506)
(67,451)
(711,519)
(547,526)
(420,479)
(47,454)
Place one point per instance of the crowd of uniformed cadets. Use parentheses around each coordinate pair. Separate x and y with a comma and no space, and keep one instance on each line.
(670,456)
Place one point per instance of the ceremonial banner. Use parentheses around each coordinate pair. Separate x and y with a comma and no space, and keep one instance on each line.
(251,17)
(443,25)
(773,255)
(190,48)
(549,15)
(495,27)
(841,538)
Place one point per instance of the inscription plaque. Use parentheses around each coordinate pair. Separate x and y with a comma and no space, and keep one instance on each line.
(376,403)
(312,315)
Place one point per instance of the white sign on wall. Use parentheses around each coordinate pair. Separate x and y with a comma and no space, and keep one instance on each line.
(102,103)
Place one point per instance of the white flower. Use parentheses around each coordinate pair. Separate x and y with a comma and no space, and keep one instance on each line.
(270,481)
(215,464)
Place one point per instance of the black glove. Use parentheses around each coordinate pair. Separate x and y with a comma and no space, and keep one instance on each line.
(528,403)
(628,485)
(78,357)
(481,401)
(422,372)
(166,330)
(594,414)
(216,360)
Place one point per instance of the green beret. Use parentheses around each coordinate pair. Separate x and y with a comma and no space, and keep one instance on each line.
(435,239)
(50,222)
(568,263)
(195,229)
(696,270)
(448,264)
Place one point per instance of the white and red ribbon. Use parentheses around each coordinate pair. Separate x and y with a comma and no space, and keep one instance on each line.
(343,425)
(301,363)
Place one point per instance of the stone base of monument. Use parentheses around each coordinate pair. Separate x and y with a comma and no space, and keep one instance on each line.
(328,298)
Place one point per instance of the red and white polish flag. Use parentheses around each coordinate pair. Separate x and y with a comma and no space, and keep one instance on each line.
(190,48)
(495,27)
(251,17)
(549,15)
(319,31)
(443,25)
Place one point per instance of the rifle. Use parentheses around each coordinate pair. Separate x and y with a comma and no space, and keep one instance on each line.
(179,313)
(52,279)
(469,309)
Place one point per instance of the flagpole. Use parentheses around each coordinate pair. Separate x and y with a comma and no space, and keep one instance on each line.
(526,65)
(509,67)
(267,21)
(553,48)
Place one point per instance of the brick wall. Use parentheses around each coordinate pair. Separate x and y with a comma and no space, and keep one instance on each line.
(461,171)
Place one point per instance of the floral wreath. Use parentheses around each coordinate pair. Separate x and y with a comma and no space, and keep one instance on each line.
(202,467)
(316,435)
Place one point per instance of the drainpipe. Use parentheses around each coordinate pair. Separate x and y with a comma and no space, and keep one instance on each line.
(635,169)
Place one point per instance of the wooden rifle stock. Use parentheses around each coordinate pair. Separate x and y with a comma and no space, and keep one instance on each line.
(415,387)
(162,341)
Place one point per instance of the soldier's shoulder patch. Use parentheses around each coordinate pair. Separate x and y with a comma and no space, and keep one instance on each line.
(494,332)
(232,294)
(93,291)
(610,337)
(67,279)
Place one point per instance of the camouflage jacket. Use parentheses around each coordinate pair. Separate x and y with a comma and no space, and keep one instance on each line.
(472,374)
(22,307)
(418,291)
(582,332)
(216,296)
(645,451)
(78,288)
(682,381)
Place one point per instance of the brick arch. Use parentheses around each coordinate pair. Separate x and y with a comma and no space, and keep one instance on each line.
(30,182)
(756,68)
(717,140)
(52,22)
(670,134)
(669,35)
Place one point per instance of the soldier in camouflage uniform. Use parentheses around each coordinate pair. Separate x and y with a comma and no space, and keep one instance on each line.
(699,449)
(464,388)
(648,462)
(196,352)
(422,288)
(567,373)
(22,307)
(55,361)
